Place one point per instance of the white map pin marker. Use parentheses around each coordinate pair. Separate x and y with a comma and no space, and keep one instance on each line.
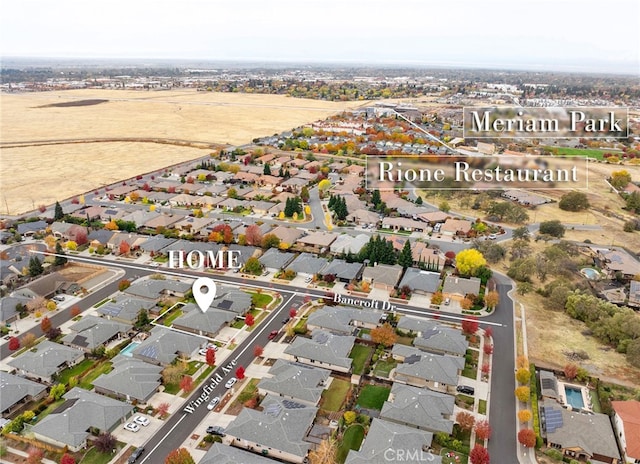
(204,291)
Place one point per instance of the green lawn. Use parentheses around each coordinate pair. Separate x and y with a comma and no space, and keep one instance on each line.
(482,407)
(93,456)
(373,397)
(351,440)
(359,354)
(463,458)
(249,391)
(175,314)
(52,407)
(334,396)
(238,324)
(591,153)
(87,381)
(261,300)
(172,388)
(383,368)
(75,371)
(408,341)
(193,367)
(595,401)
(105,301)
(205,374)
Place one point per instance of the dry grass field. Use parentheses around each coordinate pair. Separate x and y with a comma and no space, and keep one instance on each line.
(42,174)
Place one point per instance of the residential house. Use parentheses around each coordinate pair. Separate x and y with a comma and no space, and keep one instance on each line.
(164,345)
(287,235)
(125,309)
(634,293)
(420,408)
(422,369)
(93,213)
(346,243)
(389,441)
(130,380)
(45,360)
(90,332)
(294,183)
(17,392)
(307,265)
(364,217)
(223,454)
(274,261)
(140,217)
(153,289)
(132,240)
(29,229)
(435,337)
(82,412)
(207,324)
(424,255)
(157,245)
(583,437)
(192,225)
(343,320)
(269,182)
(164,221)
(382,276)
(8,311)
(617,260)
(295,382)
(548,385)
(342,270)
(626,423)
(323,349)
(245,177)
(47,286)
(457,288)
(278,430)
(233,300)
(100,237)
(316,241)
(260,207)
(401,223)
(433,217)
(455,226)
(420,282)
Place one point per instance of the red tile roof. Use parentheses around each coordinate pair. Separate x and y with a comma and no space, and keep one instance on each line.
(629,412)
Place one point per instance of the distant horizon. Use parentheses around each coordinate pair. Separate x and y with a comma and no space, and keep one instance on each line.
(135,62)
(582,36)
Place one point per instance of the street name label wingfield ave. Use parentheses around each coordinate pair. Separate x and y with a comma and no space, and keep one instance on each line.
(209,387)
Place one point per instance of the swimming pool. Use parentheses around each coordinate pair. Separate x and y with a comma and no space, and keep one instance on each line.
(574,397)
(126,351)
(590,273)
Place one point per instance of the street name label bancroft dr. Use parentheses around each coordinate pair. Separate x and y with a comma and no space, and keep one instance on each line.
(209,387)
(373,304)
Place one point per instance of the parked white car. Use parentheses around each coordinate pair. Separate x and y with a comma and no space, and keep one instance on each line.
(131,427)
(141,420)
(230,383)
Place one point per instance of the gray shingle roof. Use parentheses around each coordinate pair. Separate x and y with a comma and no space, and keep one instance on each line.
(419,407)
(275,259)
(164,345)
(153,289)
(296,380)
(384,435)
(342,269)
(424,281)
(13,389)
(307,263)
(323,347)
(8,306)
(45,359)
(157,243)
(338,318)
(231,299)
(591,432)
(433,336)
(125,308)
(280,425)
(461,286)
(82,409)
(383,273)
(432,367)
(131,377)
(223,454)
(210,322)
(92,331)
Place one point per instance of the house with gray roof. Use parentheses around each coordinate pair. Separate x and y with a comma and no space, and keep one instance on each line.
(8,311)
(433,371)
(382,276)
(579,436)
(435,337)
(164,345)
(223,454)
(278,431)
(82,411)
(233,300)
(420,408)
(100,237)
(548,385)
(154,289)
(29,229)
(385,438)
(323,349)
(125,309)
(273,260)
(343,320)
(45,360)
(156,244)
(420,282)
(346,243)
(130,380)
(48,286)
(344,271)
(17,392)
(456,287)
(207,324)
(91,331)
(307,265)
(295,381)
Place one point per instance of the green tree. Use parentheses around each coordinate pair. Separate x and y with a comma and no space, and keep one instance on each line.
(553,228)
(304,194)
(633,202)
(59,260)
(143,318)
(574,201)
(253,266)
(521,233)
(405,259)
(375,197)
(232,193)
(469,261)
(270,241)
(267,169)
(633,352)
(58,214)
(35,266)
(292,206)
(620,179)
(57,391)
(419,200)
(444,206)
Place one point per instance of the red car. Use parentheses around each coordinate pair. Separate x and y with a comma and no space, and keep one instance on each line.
(273,334)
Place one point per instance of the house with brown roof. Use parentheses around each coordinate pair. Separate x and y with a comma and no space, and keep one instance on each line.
(626,422)
(48,286)
(456,287)
(268,181)
(455,226)
(287,235)
(617,260)
(246,177)
(401,223)
(316,241)
(165,221)
(382,276)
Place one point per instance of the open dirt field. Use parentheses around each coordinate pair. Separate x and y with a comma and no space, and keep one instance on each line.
(42,174)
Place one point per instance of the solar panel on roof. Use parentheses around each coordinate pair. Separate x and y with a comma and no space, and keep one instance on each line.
(224,304)
(322,338)
(273,410)
(553,419)
(288,404)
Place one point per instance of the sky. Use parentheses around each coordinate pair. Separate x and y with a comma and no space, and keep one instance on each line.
(560,35)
